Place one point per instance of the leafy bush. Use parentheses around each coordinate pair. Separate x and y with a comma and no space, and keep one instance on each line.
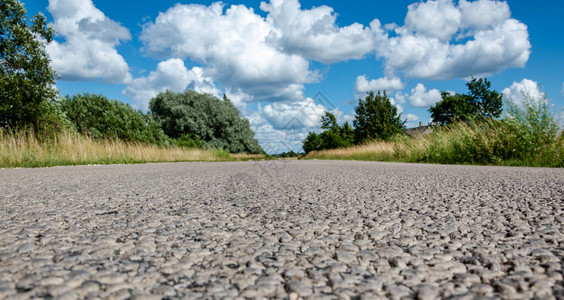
(216,122)
(100,117)
(532,130)
(186,141)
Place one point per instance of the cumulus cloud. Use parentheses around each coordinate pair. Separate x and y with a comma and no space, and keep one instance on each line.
(421,97)
(89,50)
(281,127)
(232,47)
(441,40)
(275,141)
(297,114)
(169,75)
(400,97)
(314,33)
(519,91)
(412,118)
(562,92)
(363,85)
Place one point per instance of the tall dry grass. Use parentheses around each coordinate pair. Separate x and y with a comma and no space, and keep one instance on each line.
(25,149)
(380,151)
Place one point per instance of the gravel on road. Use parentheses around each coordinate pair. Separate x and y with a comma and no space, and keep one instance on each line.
(282,229)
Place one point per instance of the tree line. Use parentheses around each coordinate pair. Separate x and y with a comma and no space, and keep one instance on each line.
(376,118)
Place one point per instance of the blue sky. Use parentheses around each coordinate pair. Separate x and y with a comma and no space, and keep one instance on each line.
(285,62)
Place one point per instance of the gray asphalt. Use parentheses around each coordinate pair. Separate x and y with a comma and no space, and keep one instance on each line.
(292,229)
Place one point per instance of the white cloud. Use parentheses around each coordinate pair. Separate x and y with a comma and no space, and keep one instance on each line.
(363,85)
(314,33)
(401,97)
(482,13)
(525,88)
(169,75)
(441,40)
(412,118)
(397,104)
(282,127)
(275,141)
(232,47)
(439,19)
(89,51)
(420,97)
(297,114)
(562,92)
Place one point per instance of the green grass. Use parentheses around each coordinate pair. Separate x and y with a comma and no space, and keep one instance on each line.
(490,142)
(527,136)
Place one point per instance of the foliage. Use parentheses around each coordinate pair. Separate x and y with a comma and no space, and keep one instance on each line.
(532,128)
(100,117)
(376,118)
(527,136)
(312,142)
(26,80)
(187,141)
(216,122)
(333,136)
(480,102)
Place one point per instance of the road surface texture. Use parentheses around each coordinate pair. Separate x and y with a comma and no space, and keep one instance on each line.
(293,229)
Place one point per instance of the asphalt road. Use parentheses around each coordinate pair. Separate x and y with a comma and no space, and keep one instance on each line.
(292,229)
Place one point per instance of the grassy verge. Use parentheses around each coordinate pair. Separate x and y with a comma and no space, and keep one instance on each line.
(24,149)
(492,142)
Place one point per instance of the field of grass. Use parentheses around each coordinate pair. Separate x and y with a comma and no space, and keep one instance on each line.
(493,142)
(24,149)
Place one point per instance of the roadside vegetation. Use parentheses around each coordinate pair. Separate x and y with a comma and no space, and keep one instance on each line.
(527,134)
(25,149)
(40,128)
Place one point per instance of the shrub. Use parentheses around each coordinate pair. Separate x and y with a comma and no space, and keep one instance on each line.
(216,122)
(100,117)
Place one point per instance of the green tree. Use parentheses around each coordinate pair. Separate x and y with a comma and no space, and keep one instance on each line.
(451,108)
(312,142)
(215,122)
(27,89)
(347,134)
(480,102)
(101,117)
(376,118)
(333,136)
(329,123)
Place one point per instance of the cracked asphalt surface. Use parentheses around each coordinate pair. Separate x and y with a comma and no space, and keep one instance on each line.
(282,229)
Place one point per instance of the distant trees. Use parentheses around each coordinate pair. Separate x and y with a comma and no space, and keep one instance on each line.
(100,117)
(333,136)
(376,118)
(289,154)
(480,102)
(27,89)
(217,123)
